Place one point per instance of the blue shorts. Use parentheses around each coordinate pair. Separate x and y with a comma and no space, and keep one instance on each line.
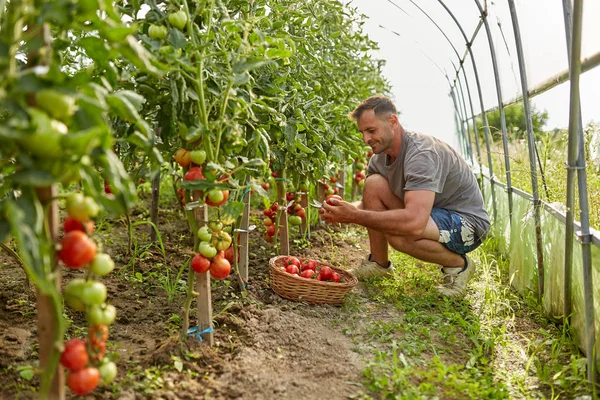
(456,233)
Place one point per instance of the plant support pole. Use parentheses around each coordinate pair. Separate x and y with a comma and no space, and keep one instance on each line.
(530,144)
(576,163)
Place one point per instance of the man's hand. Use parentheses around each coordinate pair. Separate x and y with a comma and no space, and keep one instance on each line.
(338,211)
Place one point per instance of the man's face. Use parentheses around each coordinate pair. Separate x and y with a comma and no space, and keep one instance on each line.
(377,132)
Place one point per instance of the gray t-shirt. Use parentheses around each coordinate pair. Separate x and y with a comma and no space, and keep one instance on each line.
(426,163)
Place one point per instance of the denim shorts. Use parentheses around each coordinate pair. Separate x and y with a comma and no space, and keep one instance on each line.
(456,233)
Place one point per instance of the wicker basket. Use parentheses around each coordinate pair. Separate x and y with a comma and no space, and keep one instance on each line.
(295,288)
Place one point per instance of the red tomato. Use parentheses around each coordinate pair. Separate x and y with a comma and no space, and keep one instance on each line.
(307,273)
(268,239)
(274,207)
(83,381)
(290,196)
(77,249)
(72,224)
(229,253)
(292,269)
(332,196)
(194,174)
(335,277)
(291,260)
(311,264)
(74,357)
(268,212)
(200,263)
(271,230)
(265,186)
(301,213)
(220,267)
(326,273)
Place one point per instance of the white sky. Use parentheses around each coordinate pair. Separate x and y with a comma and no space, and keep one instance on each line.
(421,90)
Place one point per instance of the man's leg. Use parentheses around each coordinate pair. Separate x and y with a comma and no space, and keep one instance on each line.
(378,196)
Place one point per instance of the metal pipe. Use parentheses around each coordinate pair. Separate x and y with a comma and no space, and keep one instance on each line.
(576,161)
(475,130)
(483,116)
(463,115)
(501,109)
(530,142)
(460,126)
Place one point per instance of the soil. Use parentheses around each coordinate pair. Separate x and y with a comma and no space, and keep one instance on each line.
(266,347)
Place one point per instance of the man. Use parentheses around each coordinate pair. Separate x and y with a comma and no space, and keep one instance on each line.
(420,197)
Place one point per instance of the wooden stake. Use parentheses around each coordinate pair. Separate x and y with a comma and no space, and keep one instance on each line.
(154,209)
(46,324)
(284,242)
(204,299)
(243,242)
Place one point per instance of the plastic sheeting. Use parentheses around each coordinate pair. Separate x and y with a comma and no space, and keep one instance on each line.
(519,242)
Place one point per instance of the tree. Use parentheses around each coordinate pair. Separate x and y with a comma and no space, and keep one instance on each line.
(516,127)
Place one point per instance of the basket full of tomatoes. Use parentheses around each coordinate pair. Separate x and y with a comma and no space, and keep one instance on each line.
(310,281)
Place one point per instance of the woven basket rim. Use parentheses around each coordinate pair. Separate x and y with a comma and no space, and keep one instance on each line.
(349,282)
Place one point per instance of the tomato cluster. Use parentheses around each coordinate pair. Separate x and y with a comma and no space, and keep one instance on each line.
(86,361)
(270,222)
(309,269)
(215,252)
(296,212)
(359,169)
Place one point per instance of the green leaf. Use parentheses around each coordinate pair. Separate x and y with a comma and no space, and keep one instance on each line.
(120,32)
(303,147)
(248,65)
(95,48)
(33,178)
(120,104)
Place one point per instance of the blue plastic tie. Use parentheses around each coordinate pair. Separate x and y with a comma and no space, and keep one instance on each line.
(195,331)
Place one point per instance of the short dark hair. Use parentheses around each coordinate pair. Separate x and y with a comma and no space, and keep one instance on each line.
(379,103)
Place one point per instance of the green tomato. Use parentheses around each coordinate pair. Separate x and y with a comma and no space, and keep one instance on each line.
(204,234)
(317,85)
(158,32)
(198,156)
(178,19)
(215,226)
(207,250)
(108,371)
(46,141)
(295,220)
(58,105)
(104,314)
(94,292)
(81,208)
(102,264)
(73,292)
(216,195)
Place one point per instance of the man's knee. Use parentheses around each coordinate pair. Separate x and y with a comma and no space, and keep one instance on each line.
(378,195)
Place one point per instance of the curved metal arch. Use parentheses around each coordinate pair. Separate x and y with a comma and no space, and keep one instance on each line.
(486,129)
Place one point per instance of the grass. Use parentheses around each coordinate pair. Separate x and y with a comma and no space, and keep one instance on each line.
(490,345)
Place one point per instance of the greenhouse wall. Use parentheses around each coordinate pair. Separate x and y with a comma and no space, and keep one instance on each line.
(517,240)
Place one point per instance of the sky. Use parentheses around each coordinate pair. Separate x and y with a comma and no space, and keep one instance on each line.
(419,59)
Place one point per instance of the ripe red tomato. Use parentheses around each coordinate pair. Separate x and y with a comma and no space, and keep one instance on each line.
(229,253)
(274,207)
(268,212)
(271,230)
(311,264)
(220,267)
(72,224)
(301,213)
(326,273)
(291,260)
(200,263)
(335,277)
(290,196)
(267,238)
(74,357)
(332,196)
(292,269)
(83,381)
(77,249)
(309,273)
(194,174)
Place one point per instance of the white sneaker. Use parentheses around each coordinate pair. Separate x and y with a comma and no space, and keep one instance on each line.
(371,269)
(456,279)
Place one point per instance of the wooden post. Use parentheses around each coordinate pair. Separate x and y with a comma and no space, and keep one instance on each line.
(305,227)
(243,242)
(282,225)
(154,207)
(204,299)
(342,182)
(46,324)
